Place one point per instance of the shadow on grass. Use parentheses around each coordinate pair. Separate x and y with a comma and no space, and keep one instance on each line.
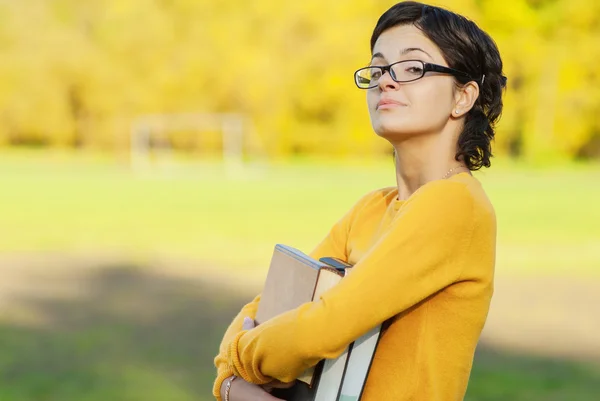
(124,333)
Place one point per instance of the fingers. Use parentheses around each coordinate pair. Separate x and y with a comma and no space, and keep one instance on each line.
(278,384)
(241,390)
(248,324)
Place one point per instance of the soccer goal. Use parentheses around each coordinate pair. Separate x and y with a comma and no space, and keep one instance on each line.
(150,142)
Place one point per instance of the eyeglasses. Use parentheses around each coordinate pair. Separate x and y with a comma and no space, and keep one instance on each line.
(401,71)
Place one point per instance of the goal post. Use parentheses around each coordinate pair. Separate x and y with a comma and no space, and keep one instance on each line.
(146,130)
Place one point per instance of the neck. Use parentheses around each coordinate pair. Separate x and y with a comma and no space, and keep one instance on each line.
(424,158)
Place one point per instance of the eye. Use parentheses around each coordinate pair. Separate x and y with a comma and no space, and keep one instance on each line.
(414,70)
(375,73)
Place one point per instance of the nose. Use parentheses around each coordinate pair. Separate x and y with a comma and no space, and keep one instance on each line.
(387,83)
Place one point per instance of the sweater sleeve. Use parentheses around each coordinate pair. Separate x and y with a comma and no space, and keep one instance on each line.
(333,245)
(422,252)
(223,369)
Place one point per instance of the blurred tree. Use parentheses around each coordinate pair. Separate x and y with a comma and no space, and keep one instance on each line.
(74,73)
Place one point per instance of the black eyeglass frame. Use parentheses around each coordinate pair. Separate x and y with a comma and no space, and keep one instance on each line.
(427,67)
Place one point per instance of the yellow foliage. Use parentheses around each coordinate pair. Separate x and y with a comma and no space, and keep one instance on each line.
(74,73)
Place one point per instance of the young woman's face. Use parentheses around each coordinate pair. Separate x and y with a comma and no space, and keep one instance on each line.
(421,106)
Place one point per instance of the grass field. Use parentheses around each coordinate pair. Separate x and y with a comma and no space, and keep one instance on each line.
(118,287)
(548,219)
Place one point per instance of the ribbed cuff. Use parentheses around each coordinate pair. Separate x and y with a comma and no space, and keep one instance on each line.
(219,382)
(233,358)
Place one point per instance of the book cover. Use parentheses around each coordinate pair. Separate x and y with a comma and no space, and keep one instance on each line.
(293,279)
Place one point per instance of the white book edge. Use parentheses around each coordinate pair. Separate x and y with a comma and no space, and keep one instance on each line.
(299,255)
(358,365)
(330,380)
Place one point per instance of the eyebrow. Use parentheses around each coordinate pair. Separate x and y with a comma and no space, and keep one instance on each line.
(414,49)
(378,55)
(403,52)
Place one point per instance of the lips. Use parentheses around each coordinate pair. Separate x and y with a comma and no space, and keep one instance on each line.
(389,103)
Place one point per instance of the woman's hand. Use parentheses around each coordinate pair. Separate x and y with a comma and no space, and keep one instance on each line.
(250,324)
(242,390)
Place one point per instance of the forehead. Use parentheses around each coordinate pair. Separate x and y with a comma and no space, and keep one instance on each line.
(394,40)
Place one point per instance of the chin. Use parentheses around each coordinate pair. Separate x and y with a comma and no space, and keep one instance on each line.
(393,129)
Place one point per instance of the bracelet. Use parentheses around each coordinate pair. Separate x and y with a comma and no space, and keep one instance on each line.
(228,387)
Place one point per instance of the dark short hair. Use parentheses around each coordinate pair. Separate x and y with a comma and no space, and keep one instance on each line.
(467,48)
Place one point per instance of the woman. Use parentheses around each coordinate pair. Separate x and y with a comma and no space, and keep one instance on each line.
(424,251)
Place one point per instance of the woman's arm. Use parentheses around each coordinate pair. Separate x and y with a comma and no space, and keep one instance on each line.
(333,245)
(422,252)
(223,369)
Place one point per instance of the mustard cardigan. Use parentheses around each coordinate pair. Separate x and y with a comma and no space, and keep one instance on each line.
(426,265)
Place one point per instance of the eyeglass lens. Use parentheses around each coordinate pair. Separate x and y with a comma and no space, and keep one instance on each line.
(404,71)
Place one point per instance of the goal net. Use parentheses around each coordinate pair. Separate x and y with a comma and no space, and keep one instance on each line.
(151,144)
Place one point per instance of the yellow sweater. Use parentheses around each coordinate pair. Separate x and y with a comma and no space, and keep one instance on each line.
(426,263)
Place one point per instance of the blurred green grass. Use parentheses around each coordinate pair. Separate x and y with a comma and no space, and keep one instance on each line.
(139,334)
(128,333)
(548,218)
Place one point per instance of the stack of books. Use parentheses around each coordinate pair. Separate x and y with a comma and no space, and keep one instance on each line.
(295,278)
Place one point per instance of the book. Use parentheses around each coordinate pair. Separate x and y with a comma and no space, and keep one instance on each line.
(358,358)
(293,279)
(341,379)
(358,365)
(333,370)
(331,377)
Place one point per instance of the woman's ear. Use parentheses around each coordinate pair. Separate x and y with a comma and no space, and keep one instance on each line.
(464,99)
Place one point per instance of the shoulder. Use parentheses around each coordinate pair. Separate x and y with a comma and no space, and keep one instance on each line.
(375,201)
(461,198)
(382,196)
(372,203)
(463,188)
